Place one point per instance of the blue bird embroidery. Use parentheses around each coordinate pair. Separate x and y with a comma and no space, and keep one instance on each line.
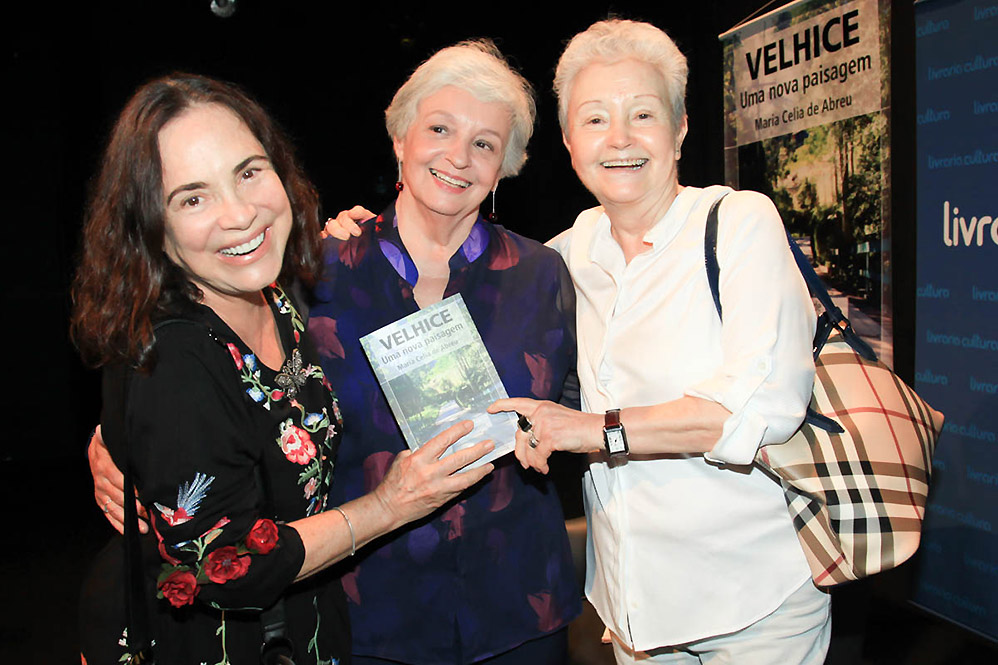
(189,497)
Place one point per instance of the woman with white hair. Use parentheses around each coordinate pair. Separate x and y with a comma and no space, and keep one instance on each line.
(692,556)
(490,576)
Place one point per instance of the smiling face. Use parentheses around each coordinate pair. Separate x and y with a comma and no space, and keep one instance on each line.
(227,216)
(451,153)
(620,135)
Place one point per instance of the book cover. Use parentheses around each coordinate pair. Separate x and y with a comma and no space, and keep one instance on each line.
(435,371)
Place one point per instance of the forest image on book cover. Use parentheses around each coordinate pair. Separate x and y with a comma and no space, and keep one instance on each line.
(435,371)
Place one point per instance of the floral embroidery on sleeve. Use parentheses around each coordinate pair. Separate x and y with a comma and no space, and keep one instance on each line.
(180,583)
(189,496)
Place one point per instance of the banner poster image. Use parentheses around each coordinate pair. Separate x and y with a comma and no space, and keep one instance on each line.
(806,101)
(956,316)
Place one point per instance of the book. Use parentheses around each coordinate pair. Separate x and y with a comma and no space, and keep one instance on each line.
(435,371)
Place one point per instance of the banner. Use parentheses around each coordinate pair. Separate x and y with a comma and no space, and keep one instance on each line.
(806,94)
(956,332)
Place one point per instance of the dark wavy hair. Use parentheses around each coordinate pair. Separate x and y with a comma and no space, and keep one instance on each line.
(124,281)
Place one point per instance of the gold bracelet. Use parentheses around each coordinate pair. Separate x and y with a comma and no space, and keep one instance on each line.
(353,539)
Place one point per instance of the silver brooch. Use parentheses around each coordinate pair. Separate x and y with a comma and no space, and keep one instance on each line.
(292,376)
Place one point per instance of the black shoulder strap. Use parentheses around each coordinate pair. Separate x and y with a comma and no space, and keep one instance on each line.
(710,254)
(832,313)
(116,382)
(815,286)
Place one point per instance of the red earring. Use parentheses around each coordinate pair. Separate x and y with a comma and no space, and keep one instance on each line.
(492,216)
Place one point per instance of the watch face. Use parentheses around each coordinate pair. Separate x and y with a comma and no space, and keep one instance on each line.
(615,441)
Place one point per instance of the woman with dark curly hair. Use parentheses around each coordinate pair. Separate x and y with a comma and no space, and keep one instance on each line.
(199,220)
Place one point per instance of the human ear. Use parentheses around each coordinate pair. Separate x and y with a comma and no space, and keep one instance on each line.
(681,133)
(564,139)
(398,146)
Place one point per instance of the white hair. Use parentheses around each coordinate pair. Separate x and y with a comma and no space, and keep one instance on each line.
(477,67)
(614,40)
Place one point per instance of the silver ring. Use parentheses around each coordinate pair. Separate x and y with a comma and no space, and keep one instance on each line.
(523,423)
(107,502)
(533,440)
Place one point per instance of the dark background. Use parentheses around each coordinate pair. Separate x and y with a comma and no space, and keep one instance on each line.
(326,71)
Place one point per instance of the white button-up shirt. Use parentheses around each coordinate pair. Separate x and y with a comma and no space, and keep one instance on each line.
(684,547)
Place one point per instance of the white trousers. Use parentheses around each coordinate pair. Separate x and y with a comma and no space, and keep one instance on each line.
(796,633)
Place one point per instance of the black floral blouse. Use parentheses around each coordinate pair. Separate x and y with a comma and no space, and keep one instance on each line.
(206,427)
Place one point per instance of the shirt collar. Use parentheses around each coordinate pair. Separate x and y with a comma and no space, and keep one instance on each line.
(606,253)
(390,243)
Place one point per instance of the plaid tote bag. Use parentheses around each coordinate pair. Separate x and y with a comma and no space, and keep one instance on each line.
(856,473)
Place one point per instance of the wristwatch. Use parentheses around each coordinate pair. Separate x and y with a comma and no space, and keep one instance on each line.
(614,437)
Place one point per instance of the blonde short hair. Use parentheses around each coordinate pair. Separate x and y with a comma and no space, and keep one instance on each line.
(479,68)
(614,40)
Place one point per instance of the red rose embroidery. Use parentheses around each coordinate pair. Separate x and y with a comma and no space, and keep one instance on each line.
(262,537)
(225,564)
(297,444)
(276,395)
(236,356)
(179,588)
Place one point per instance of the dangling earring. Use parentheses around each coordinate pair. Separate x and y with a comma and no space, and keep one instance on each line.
(398,183)
(492,216)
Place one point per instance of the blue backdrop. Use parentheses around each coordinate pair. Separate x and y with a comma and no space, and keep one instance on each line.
(956,349)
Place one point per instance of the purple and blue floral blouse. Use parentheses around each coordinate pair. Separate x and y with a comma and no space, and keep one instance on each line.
(482,575)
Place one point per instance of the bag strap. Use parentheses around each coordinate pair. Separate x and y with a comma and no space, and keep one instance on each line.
(710,254)
(835,316)
(830,319)
(276,648)
(117,382)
